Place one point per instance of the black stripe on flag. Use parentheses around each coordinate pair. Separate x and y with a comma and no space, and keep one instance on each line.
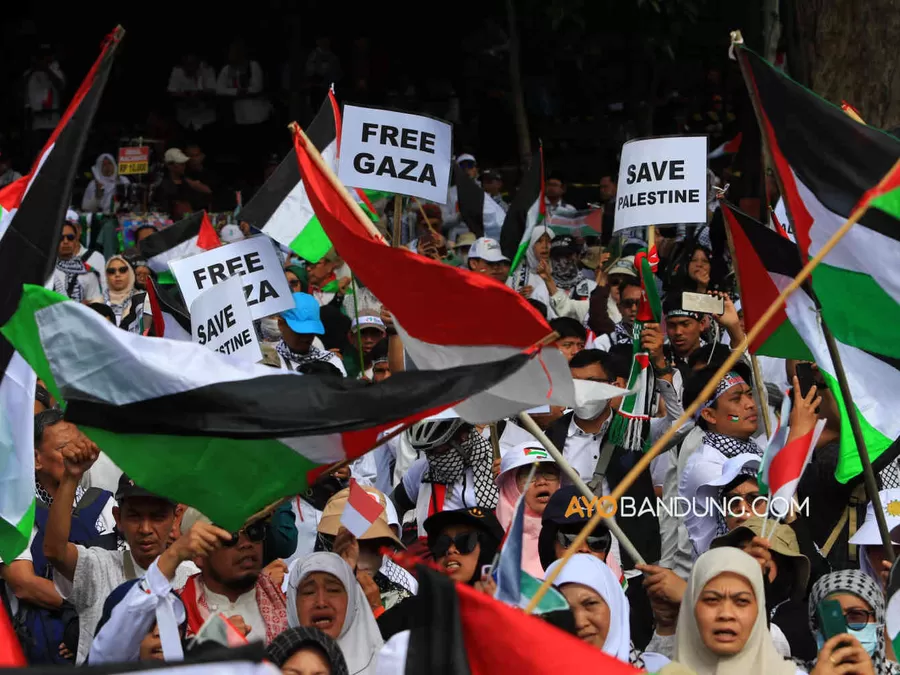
(170,302)
(834,156)
(285,178)
(777,254)
(470,198)
(172,236)
(517,217)
(281,405)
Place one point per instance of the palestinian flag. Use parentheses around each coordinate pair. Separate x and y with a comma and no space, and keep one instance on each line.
(433,305)
(455,632)
(586,223)
(33,209)
(171,319)
(478,210)
(204,430)
(526,211)
(766,263)
(728,147)
(189,236)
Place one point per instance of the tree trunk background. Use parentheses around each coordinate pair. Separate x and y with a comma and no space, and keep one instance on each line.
(520,115)
(850,50)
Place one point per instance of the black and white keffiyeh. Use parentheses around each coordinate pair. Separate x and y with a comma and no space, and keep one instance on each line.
(314,354)
(70,268)
(449,467)
(730,446)
(565,273)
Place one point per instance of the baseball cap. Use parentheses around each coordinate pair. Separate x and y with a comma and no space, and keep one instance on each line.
(563,245)
(483,519)
(488,250)
(466,157)
(868,534)
(304,317)
(175,156)
(782,540)
(623,266)
(567,511)
(330,522)
(746,463)
(490,174)
(128,490)
(367,321)
(465,239)
(524,454)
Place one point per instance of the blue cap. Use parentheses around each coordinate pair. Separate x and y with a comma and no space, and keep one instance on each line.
(304,318)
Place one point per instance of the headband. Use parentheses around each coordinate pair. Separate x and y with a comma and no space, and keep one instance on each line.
(732,379)
(683,312)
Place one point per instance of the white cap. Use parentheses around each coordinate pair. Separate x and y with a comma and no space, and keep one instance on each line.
(465,157)
(523,454)
(731,469)
(488,250)
(175,156)
(868,534)
(367,321)
(231,233)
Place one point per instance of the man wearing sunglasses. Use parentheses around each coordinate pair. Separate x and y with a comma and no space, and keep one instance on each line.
(72,276)
(629,300)
(231,581)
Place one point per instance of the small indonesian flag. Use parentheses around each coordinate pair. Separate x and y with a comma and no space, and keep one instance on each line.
(361,511)
(784,466)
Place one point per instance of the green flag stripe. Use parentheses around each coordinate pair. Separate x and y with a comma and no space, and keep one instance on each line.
(14,539)
(785,343)
(311,243)
(889,203)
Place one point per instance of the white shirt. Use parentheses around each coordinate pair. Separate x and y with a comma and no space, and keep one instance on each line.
(246,606)
(193,113)
(460,495)
(253,110)
(89,282)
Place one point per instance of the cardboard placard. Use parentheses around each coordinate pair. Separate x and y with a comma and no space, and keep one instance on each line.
(662,181)
(395,152)
(220,320)
(266,289)
(134,161)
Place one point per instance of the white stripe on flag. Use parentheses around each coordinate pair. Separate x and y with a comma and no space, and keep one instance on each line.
(354,521)
(187,248)
(784,493)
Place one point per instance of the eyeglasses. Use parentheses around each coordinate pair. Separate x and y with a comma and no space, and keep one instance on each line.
(116,270)
(545,474)
(629,303)
(858,618)
(68,237)
(751,502)
(596,544)
(255,532)
(464,543)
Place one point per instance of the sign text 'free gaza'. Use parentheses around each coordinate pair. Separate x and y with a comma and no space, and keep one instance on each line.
(395,152)
(662,181)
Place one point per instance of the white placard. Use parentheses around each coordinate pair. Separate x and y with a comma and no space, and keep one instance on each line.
(662,181)
(266,289)
(220,320)
(395,152)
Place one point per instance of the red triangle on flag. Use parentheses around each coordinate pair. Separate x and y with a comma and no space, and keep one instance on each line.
(207,238)
(10,649)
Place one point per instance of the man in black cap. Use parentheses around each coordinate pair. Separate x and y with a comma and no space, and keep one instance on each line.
(87,575)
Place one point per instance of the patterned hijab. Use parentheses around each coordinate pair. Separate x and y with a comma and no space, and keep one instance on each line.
(292,640)
(864,587)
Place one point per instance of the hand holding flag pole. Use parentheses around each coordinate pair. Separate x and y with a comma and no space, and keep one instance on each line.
(704,395)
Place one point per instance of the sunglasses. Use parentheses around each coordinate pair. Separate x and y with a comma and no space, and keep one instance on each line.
(255,532)
(116,270)
(630,303)
(464,543)
(68,237)
(596,544)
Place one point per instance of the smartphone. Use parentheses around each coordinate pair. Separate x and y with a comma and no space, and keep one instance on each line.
(486,571)
(705,304)
(831,619)
(807,377)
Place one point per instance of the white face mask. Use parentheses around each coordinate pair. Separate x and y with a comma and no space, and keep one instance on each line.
(586,406)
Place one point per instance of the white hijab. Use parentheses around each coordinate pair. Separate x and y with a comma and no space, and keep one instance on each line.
(360,640)
(108,182)
(592,572)
(538,232)
(759,654)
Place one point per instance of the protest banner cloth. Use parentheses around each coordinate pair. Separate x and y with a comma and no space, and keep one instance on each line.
(265,288)
(395,152)
(220,319)
(134,160)
(662,181)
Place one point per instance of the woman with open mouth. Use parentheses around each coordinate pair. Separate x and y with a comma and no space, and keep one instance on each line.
(515,468)
(323,593)
(722,621)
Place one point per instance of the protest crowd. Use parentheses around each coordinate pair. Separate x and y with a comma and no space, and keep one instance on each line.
(389,414)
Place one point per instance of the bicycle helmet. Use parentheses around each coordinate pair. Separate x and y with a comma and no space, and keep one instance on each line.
(430,434)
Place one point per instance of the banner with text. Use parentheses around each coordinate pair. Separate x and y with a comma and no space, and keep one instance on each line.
(220,319)
(395,152)
(266,289)
(662,181)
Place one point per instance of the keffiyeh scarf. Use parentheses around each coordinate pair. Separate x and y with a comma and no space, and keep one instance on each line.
(449,467)
(730,446)
(314,354)
(44,496)
(71,268)
(565,273)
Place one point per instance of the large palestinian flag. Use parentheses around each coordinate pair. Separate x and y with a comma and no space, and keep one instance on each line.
(446,316)
(33,210)
(766,263)
(204,430)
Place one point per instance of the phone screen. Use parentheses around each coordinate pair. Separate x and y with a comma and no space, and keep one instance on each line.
(806,376)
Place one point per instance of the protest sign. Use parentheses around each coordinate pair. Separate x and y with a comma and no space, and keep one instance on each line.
(265,288)
(220,320)
(134,161)
(662,181)
(395,152)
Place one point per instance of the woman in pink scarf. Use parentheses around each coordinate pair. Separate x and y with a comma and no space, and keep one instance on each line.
(514,469)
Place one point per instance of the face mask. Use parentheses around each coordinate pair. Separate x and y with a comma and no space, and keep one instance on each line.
(868,638)
(587,407)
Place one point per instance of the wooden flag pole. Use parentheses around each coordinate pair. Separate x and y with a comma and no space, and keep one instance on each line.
(607,506)
(398,208)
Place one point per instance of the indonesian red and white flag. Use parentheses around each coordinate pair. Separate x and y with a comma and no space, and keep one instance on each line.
(784,466)
(361,510)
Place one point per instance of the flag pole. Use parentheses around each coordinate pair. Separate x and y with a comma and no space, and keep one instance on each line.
(398,208)
(611,524)
(608,504)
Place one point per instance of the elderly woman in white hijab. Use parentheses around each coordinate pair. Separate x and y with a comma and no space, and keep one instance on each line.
(525,279)
(128,304)
(324,593)
(601,609)
(99,194)
(722,620)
